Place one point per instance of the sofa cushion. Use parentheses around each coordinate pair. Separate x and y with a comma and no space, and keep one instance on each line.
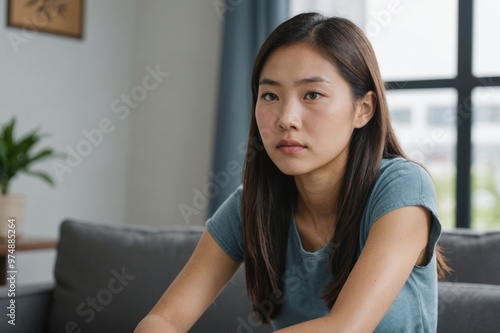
(468,307)
(474,256)
(109,277)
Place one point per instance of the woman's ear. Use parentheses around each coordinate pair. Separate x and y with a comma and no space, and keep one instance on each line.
(365,108)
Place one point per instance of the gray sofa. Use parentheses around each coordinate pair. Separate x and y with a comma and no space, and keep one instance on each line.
(108,277)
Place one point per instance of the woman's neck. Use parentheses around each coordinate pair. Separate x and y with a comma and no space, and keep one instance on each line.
(318,195)
(315,214)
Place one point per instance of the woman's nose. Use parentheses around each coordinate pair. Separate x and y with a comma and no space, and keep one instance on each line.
(289,117)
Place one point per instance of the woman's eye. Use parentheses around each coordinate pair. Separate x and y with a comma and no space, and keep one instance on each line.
(313,95)
(269,97)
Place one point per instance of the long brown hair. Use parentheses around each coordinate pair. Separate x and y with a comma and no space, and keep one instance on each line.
(269,195)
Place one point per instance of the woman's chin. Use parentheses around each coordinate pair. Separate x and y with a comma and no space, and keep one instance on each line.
(292,170)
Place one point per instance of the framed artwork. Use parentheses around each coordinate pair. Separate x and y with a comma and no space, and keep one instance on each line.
(62,17)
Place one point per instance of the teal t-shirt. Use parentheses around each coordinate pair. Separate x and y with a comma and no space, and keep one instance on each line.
(399,183)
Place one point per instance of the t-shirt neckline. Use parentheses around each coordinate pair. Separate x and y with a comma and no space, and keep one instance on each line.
(298,243)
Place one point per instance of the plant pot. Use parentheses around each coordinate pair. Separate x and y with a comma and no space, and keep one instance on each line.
(11,206)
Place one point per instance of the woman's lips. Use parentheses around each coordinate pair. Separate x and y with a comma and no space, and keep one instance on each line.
(290,146)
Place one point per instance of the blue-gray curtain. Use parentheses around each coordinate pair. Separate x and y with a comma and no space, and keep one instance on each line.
(247,23)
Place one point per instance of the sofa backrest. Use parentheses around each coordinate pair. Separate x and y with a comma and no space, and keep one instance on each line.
(109,277)
(474,256)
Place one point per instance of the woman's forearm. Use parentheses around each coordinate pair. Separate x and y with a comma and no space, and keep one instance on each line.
(156,324)
(319,325)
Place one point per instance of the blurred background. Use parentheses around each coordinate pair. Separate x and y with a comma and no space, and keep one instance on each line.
(151,106)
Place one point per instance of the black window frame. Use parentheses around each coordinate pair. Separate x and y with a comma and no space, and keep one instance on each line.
(464,83)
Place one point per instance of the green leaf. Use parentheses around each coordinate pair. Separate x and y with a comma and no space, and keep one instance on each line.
(7,132)
(3,152)
(41,155)
(28,141)
(41,175)
(17,156)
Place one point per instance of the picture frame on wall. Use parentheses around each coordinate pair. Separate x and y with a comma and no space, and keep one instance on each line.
(61,17)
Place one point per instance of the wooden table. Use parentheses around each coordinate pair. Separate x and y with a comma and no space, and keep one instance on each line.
(24,243)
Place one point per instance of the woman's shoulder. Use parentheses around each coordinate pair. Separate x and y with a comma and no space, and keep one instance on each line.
(225,225)
(399,183)
(232,204)
(401,170)
(398,163)
(402,182)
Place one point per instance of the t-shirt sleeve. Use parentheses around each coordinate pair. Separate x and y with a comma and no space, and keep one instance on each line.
(404,183)
(226,226)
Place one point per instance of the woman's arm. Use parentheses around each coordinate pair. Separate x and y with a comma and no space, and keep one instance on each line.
(206,273)
(399,240)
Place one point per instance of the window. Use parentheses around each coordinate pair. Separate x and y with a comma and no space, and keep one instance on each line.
(440,62)
(401,116)
(486,158)
(486,49)
(413,39)
(486,114)
(429,138)
(441,115)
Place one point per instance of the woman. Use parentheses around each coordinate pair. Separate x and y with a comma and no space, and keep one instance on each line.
(337,230)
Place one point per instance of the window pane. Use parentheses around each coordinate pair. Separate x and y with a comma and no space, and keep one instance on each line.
(424,121)
(414,39)
(486,45)
(486,158)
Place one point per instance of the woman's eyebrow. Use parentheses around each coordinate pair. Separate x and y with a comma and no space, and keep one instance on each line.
(313,79)
(269,82)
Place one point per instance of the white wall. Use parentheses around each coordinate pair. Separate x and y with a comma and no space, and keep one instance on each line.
(351,9)
(172,131)
(151,160)
(66,86)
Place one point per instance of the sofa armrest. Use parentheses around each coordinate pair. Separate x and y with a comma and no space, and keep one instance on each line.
(468,307)
(32,305)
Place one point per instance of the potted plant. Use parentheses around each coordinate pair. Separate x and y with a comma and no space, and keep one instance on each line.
(16,157)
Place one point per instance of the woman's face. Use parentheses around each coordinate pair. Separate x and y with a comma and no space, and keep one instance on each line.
(306,112)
